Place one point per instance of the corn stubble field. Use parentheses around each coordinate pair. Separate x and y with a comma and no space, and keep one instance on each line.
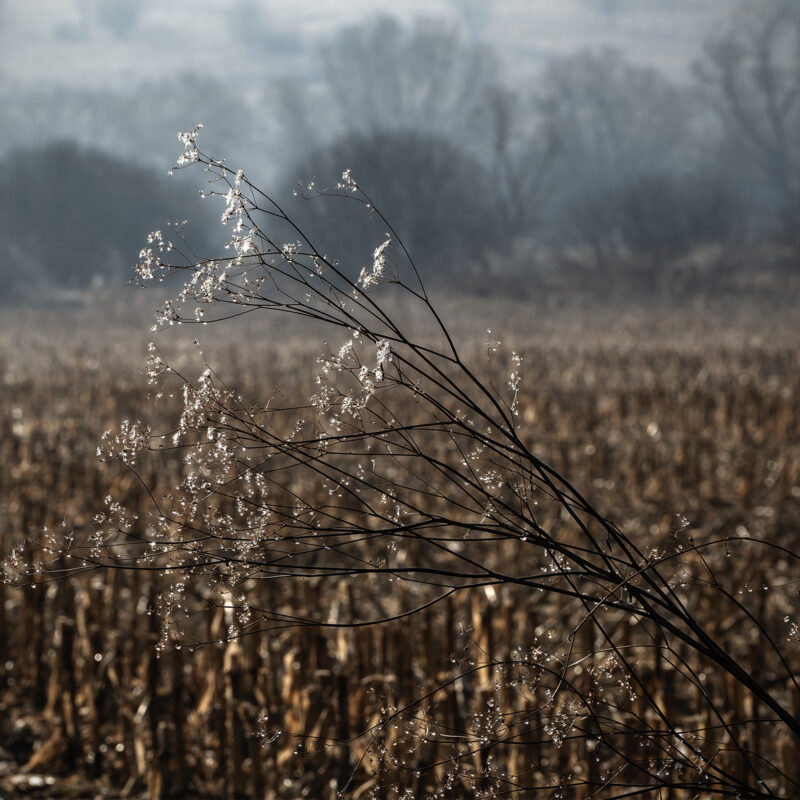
(682,427)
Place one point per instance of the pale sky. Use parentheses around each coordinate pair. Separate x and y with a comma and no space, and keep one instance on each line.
(103,43)
(126,75)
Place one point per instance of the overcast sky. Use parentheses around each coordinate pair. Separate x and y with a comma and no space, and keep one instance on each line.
(108,43)
(126,75)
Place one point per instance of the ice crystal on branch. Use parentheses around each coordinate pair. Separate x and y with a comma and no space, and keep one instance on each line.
(127,443)
(371,276)
(190,153)
(348,182)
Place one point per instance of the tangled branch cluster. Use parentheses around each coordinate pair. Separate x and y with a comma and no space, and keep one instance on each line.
(405,478)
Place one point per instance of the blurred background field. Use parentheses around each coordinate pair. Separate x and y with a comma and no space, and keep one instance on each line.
(657,415)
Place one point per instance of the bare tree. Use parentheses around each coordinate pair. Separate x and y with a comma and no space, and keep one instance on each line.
(522,148)
(624,180)
(384,76)
(751,75)
(452,217)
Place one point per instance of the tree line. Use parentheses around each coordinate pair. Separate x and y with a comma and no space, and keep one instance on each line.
(598,162)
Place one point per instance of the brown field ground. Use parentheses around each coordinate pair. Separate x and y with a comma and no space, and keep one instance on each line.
(653,414)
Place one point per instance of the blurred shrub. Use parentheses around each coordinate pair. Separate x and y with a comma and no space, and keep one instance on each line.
(72,216)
